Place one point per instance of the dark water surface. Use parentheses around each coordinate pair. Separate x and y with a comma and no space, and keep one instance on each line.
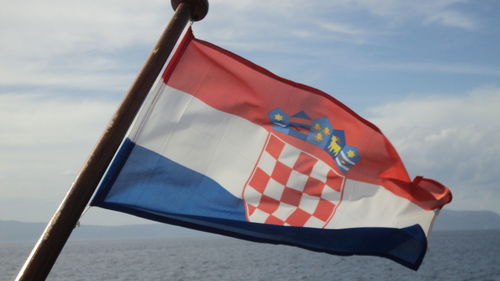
(453,256)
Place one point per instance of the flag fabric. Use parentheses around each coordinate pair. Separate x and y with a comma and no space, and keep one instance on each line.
(223,145)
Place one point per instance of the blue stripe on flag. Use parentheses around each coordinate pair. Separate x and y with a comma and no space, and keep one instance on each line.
(140,178)
(143,183)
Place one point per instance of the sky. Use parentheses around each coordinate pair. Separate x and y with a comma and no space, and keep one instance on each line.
(427,73)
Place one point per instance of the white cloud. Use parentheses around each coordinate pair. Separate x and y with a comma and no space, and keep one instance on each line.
(257,19)
(36,76)
(34,120)
(84,37)
(55,27)
(44,141)
(342,28)
(453,139)
(454,19)
(63,43)
(426,11)
(440,67)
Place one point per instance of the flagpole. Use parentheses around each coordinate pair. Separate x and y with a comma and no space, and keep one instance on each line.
(58,230)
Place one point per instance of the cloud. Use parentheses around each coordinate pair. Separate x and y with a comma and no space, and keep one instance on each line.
(442,67)
(44,141)
(345,29)
(72,43)
(280,19)
(57,42)
(453,139)
(442,12)
(40,119)
(56,27)
(453,19)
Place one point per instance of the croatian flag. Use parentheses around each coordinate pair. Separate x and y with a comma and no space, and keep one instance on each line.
(223,145)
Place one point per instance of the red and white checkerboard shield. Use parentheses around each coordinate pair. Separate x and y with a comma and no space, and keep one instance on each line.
(291,187)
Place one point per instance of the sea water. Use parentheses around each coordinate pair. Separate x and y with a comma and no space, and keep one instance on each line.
(453,256)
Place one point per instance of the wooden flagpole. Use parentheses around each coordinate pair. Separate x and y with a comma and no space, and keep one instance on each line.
(58,230)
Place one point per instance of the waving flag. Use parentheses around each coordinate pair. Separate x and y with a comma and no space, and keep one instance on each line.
(225,146)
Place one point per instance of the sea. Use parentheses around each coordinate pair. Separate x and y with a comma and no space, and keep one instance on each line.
(452,255)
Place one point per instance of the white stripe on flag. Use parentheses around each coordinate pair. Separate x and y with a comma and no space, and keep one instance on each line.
(221,146)
(365,205)
(226,147)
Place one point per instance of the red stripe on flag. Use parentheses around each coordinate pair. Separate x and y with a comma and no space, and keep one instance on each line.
(237,86)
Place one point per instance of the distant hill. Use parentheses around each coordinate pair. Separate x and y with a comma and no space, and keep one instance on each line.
(467,220)
(11,231)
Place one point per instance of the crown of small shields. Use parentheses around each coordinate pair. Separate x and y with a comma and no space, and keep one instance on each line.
(318,132)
